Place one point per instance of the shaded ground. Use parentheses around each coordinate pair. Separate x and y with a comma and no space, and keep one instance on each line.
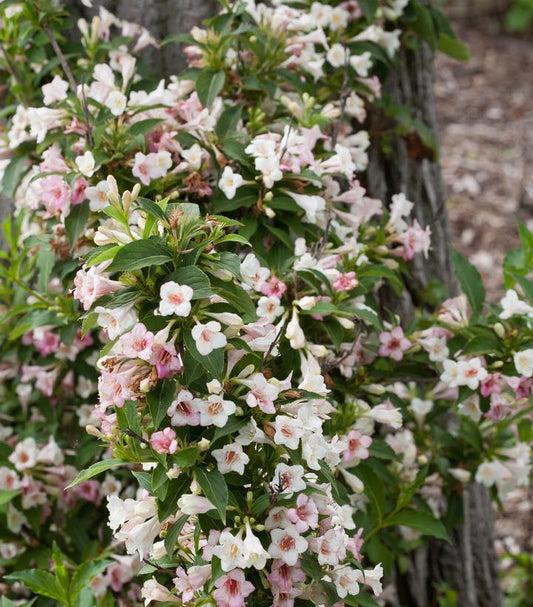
(485,109)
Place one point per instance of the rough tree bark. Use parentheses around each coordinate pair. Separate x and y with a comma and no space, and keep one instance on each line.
(468,565)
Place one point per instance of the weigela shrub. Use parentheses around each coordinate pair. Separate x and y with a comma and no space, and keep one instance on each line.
(193,276)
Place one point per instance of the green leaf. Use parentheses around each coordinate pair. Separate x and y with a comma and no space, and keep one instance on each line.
(94,470)
(208,86)
(13,175)
(526,241)
(368,8)
(213,363)
(187,457)
(215,489)
(421,521)
(6,495)
(454,48)
(194,278)
(41,582)
(152,208)
(374,487)
(159,400)
(160,482)
(470,281)
(227,123)
(84,574)
(140,254)
(45,264)
(144,126)
(172,533)
(76,221)
(487,343)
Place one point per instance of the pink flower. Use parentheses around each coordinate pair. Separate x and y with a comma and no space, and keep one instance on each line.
(183,410)
(164,356)
(273,286)
(164,441)
(305,515)
(491,384)
(414,240)
(354,545)
(283,577)
(393,344)
(232,589)
(78,193)
(137,343)
(357,446)
(55,195)
(345,282)
(187,582)
(91,284)
(499,408)
(521,386)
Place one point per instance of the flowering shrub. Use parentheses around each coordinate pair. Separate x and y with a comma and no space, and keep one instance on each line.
(193,277)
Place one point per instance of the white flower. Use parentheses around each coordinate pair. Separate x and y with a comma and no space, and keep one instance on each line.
(116,102)
(470,408)
(175,299)
(337,55)
(523,361)
(230,551)
(289,478)
(294,332)
(490,473)
(116,320)
(270,170)
(55,90)
(208,337)
(386,414)
(229,182)
(269,308)
(361,64)
(372,578)
(253,274)
(152,590)
(462,475)
(194,504)
(231,458)
(254,553)
(215,410)
(345,580)
(193,156)
(512,305)
(450,375)
(9,479)
(289,431)
(97,196)
(86,164)
(421,407)
(25,454)
(287,545)
(470,373)
(312,205)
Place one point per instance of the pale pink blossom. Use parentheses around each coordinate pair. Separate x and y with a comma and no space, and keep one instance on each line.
(183,410)
(188,582)
(208,337)
(393,343)
(232,589)
(304,515)
(137,343)
(91,284)
(357,446)
(164,441)
(287,544)
(175,299)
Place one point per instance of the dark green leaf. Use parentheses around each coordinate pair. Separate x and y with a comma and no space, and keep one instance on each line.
(144,126)
(76,221)
(187,457)
(173,532)
(208,86)
(194,278)
(215,489)
(13,175)
(227,123)
(159,400)
(470,281)
(140,254)
(453,47)
(41,582)
(213,363)
(421,521)
(94,470)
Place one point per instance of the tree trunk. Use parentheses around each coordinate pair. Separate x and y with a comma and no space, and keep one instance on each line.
(468,565)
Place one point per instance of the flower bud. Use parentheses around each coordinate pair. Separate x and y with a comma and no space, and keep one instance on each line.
(499,329)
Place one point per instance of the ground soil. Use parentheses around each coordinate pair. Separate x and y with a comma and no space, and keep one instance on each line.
(485,110)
